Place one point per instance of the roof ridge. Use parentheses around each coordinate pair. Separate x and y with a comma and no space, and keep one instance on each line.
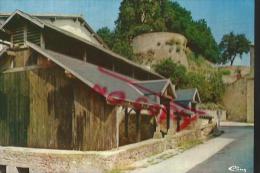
(72,35)
(151,81)
(45,14)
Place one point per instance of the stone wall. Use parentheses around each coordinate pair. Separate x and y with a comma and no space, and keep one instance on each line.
(223,114)
(234,101)
(47,161)
(238,100)
(152,47)
(250,100)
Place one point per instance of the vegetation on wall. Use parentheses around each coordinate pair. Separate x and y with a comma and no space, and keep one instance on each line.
(209,85)
(138,17)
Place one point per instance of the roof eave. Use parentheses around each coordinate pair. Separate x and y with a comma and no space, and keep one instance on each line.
(18,12)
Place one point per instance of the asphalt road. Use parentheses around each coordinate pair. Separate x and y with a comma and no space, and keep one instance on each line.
(233,148)
(238,154)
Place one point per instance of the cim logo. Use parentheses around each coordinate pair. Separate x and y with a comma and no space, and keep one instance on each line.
(236,169)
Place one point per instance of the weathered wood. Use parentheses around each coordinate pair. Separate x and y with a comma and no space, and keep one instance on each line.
(168,115)
(94,123)
(43,108)
(126,122)
(138,126)
(178,116)
(2,169)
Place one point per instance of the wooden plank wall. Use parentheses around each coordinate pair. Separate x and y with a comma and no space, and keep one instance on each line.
(147,129)
(94,121)
(14,108)
(43,108)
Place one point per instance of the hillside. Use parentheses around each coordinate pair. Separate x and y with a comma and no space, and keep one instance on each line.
(151,48)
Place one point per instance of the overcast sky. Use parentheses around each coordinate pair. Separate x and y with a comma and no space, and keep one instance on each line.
(223,16)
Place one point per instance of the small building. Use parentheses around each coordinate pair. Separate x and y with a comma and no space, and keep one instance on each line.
(188,98)
(60,90)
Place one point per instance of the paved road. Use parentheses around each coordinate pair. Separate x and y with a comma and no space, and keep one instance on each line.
(233,148)
(238,153)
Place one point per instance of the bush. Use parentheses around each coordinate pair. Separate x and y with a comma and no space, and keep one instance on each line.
(176,72)
(225,72)
(211,106)
(210,85)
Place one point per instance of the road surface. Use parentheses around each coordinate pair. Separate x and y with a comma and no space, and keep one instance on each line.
(232,150)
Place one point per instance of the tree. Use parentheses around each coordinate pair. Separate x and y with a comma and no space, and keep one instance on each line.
(124,49)
(210,85)
(142,16)
(176,72)
(107,35)
(232,45)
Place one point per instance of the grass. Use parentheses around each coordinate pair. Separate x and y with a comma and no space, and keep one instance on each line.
(121,169)
(189,144)
(225,72)
(115,171)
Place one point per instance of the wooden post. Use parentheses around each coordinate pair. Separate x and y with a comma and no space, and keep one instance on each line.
(25,34)
(154,123)
(126,122)
(178,120)
(138,126)
(2,169)
(168,115)
(85,55)
(42,41)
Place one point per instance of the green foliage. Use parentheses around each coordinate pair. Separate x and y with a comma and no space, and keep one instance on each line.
(137,17)
(225,72)
(232,45)
(107,35)
(169,69)
(187,144)
(123,48)
(209,85)
(201,40)
(211,106)
(116,43)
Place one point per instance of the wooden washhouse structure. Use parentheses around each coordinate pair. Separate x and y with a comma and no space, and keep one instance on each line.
(61,89)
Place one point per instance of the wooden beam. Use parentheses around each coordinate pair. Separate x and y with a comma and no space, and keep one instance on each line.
(11,53)
(25,34)
(178,120)
(168,115)
(42,40)
(126,122)
(138,126)
(85,55)
(154,123)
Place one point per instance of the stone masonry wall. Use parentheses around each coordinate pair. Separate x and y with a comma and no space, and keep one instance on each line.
(64,161)
(153,47)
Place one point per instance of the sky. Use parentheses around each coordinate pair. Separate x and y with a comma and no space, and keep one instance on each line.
(222,16)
